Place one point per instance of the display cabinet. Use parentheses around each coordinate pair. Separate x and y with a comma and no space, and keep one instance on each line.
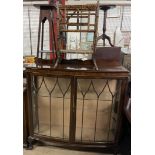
(76,106)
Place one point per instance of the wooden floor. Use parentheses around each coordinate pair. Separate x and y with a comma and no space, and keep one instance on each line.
(44,150)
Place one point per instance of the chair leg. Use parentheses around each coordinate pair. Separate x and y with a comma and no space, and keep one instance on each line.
(94,61)
(56,63)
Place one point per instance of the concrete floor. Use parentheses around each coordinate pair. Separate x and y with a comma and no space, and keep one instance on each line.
(45,150)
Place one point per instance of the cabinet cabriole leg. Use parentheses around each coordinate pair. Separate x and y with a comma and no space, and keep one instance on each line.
(30,143)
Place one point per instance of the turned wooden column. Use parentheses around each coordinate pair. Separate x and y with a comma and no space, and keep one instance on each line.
(105,8)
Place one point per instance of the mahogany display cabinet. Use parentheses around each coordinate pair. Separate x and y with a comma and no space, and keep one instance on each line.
(76,106)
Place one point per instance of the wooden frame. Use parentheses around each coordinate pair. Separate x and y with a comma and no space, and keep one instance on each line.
(46,14)
(114,71)
(68,13)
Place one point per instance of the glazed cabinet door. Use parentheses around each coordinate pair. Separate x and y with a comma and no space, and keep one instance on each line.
(50,107)
(76,110)
(97,110)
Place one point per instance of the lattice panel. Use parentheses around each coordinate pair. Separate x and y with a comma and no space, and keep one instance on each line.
(51,100)
(96,119)
(96,108)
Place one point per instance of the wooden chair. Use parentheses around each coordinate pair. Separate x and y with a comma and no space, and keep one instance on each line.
(71,24)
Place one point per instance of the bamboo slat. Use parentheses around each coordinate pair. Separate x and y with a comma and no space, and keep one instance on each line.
(65,30)
(78,51)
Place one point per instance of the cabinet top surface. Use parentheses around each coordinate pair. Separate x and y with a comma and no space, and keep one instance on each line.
(79,69)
